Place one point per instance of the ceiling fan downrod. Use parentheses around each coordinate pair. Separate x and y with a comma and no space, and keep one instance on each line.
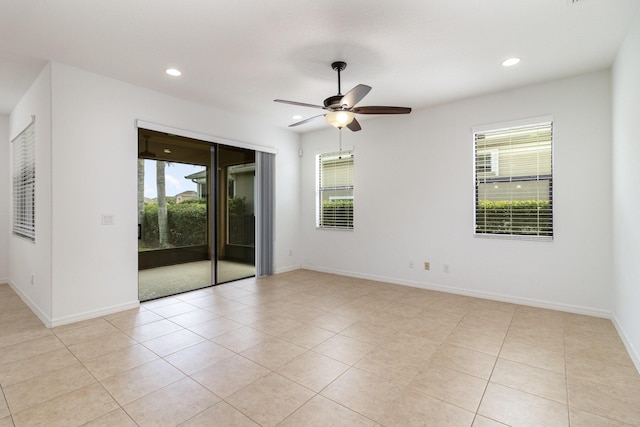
(334,101)
(339,66)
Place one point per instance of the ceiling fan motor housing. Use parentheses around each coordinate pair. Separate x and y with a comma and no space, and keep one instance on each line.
(333,101)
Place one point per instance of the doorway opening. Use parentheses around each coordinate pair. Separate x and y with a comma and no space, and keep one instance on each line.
(196,221)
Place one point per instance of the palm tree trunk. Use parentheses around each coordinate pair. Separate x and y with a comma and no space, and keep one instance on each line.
(140,191)
(162,205)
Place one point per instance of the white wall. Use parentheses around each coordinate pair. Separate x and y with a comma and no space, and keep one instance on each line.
(94,172)
(30,272)
(5,194)
(414,201)
(626,190)
(287,200)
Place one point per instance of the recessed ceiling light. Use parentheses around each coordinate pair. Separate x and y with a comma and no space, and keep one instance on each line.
(510,62)
(173,72)
(167,150)
(297,117)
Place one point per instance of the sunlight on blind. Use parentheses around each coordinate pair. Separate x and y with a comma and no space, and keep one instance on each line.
(24,183)
(514,181)
(335,190)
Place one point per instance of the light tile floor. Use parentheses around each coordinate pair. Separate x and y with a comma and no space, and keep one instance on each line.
(312,349)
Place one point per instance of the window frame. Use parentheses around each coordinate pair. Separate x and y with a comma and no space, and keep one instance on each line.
(319,220)
(506,126)
(24,182)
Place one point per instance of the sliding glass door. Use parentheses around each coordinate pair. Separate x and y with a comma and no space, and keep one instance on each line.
(236,224)
(196,214)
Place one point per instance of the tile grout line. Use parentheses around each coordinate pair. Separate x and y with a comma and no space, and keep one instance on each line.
(222,399)
(566,370)
(99,382)
(513,315)
(4,397)
(406,387)
(72,391)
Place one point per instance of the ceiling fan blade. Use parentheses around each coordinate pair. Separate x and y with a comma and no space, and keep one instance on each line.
(301,104)
(355,95)
(306,120)
(354,126)
(381,110)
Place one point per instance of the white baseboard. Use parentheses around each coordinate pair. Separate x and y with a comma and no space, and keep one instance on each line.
(287,269)
(53,322)
(65,320)
(634,353)
(588,311)
(44,318)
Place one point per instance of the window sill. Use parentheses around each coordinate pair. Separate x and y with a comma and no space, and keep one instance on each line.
(334,228)
(513,237)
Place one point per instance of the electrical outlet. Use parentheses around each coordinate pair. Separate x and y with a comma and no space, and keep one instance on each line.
(410,264)
(427,266)
(445,268)
(107,219)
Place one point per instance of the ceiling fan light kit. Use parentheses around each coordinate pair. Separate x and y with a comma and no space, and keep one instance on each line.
(342,108)
(340,118)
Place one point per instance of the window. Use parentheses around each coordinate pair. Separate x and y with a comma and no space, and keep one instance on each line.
(24,183)
(334,206)
(514,180)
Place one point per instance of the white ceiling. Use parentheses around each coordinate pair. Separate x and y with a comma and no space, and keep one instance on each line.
(240,55)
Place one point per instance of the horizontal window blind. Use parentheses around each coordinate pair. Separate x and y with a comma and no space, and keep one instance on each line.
(335,190)
(514,181)
(24,183)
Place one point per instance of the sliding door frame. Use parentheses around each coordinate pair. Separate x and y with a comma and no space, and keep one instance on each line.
(265,194)
(212,216)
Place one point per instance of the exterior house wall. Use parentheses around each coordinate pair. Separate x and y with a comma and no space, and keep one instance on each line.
(414,201)
(245,186)
(526,155)
(185,196)
(520,164)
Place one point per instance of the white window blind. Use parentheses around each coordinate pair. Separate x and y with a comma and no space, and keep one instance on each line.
(514,181)
(335,190)
(24,183)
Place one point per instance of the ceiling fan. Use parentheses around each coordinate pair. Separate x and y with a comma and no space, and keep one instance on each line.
(342,108)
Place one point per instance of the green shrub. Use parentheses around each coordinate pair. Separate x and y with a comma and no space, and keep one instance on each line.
(150,232)
(187,224)
(237,206)
(337,213)
(521,217)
